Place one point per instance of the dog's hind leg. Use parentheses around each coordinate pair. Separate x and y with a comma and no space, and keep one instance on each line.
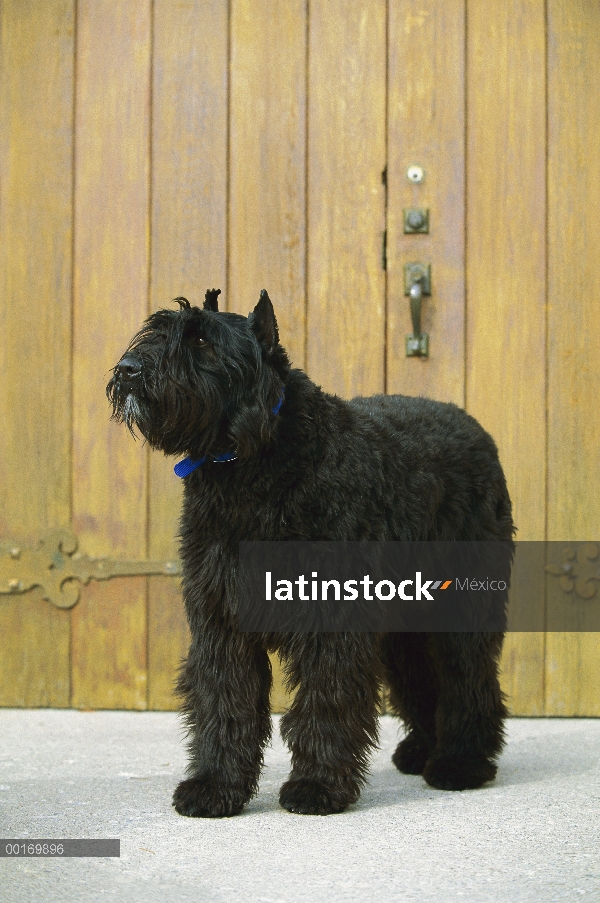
(413,696)
(225,685)
(331,725)
(470,713)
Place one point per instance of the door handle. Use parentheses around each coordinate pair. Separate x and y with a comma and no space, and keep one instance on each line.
(417,284)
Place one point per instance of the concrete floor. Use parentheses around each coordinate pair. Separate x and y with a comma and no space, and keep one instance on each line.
(531,836)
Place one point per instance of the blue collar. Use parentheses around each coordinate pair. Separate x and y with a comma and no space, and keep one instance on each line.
(187,465)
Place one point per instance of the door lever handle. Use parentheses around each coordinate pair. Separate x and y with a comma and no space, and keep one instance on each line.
(417,282)
(416,296)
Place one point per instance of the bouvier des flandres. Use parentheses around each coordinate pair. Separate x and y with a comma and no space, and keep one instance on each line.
(270,456)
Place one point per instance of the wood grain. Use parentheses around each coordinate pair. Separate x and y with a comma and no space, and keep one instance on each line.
(110,302)
(573,660)
(506,275)
(426,126)
(34,665)
(267,207)
(36,147)
(346,157)
(168,641)
(189,150)
(108,646)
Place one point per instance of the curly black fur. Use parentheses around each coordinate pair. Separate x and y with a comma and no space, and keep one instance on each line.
(200,382)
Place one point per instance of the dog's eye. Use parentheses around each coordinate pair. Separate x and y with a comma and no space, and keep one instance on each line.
(197,341)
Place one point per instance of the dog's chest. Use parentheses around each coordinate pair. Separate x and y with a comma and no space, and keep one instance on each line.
(228,507)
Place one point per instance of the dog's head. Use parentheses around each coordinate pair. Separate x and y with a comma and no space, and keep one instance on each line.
(202,382)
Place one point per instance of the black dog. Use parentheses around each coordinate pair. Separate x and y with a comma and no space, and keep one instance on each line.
(269,456)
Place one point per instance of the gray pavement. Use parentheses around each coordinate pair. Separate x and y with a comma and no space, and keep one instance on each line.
(531,836)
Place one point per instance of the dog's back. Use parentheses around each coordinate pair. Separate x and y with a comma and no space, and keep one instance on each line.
(442,468)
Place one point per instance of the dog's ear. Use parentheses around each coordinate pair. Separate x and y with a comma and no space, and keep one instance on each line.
(263,323)
(211,301)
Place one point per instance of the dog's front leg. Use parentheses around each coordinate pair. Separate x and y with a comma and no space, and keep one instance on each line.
(331,725)
(225,685)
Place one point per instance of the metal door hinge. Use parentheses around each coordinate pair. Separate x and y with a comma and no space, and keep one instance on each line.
(578,568)
(55,565)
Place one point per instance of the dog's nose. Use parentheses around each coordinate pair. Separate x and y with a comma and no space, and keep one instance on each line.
(128,368)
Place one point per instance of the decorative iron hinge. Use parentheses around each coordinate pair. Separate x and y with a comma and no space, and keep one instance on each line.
(579,569)
(55,565)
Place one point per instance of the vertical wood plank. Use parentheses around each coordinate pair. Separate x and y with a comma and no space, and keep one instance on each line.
(506,275)
(426,126)
(110,294)
(109,646)
(522,673)
(189,224)
(572,668)
(346,158)
(168,641)
(34,665)
(36,146)
(573,660)
(189,149)
(267,212)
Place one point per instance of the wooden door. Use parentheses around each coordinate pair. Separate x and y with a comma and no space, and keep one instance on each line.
(151,149)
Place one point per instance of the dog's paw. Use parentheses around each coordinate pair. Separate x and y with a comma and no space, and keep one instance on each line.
(203,798)
(307,797)
(453,773)
(410,756)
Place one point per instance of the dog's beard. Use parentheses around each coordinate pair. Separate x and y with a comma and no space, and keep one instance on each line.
(131,415)
(176,422)
(126,408)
